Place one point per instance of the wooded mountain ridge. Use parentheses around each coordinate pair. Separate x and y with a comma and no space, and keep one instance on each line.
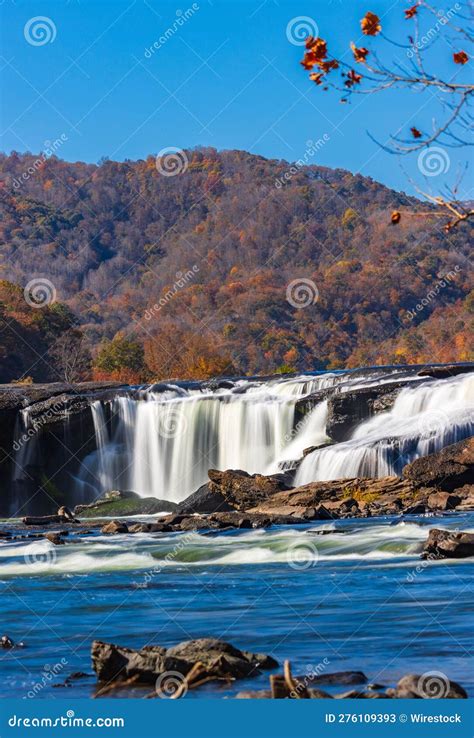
(198,274)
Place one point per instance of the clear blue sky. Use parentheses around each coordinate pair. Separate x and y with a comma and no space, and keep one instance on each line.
(228,77)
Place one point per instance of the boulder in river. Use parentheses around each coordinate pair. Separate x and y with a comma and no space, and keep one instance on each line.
(219,659)
(243,491)
(431,685)
(447,544)
(115,526)
(206,499)
(447,470)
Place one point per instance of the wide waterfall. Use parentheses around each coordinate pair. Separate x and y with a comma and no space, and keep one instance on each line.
(423,420)
(162,444)
(161,441)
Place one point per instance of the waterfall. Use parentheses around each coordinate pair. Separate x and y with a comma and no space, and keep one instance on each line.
(423,420)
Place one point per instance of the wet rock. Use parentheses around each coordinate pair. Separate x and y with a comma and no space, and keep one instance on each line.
(447,470)
(340,677)
(446,544)
(149,528)
(443,501)
(343,508)
(446,370)
(47,520)
(428,686)
(6,642)
(419,508)
(220,659)
(206,499)
(118,503)
(115,526)
(261,694)
(54,538)
(365,695)
(243,491)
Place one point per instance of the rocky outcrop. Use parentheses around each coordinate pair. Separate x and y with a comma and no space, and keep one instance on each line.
(446,544)
(53,409)
(118,504)
(448,469)
(347,409)
(342,498)
(115,526)
(243,491)
(445,371)
(218,658)
(207,499)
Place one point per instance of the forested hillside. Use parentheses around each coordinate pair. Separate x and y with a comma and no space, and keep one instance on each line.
(188,275)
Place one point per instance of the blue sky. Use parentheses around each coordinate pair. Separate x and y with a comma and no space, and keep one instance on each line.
(227,77)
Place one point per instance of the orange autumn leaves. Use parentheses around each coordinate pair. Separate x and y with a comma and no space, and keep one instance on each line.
(316,54)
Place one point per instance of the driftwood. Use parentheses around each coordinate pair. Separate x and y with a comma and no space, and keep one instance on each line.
(117,684)
(284,686)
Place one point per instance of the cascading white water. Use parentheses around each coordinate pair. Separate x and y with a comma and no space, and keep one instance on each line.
(162,443)
(423,420)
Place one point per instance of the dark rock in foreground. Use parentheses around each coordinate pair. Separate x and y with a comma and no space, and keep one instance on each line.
(207,499)
(446,544)
(220,660)
(447,470)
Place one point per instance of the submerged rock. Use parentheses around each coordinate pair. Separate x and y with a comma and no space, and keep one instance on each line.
(220,660)
(447,470)
(446,544)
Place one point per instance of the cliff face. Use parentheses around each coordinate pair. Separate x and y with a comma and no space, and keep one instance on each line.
(45,430)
